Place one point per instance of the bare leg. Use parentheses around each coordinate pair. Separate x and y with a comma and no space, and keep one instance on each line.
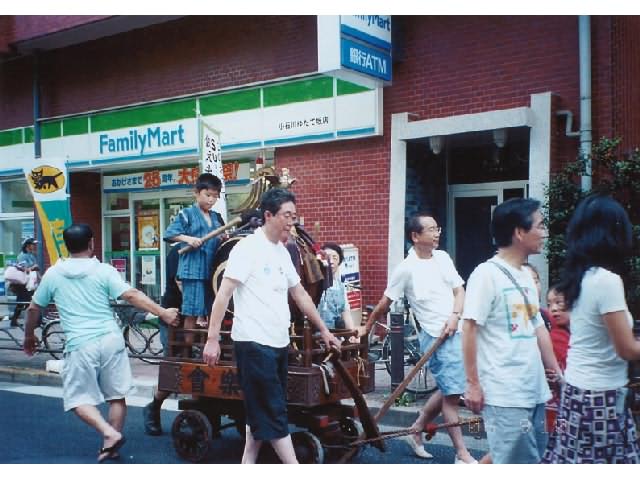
(251,447)
(284,449)
(90,415)
(486,460)
(431,409)
(159,397)
(117,413)
(450,413)
(202,322)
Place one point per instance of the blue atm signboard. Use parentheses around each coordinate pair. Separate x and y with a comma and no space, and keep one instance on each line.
(365,59)
(365,45)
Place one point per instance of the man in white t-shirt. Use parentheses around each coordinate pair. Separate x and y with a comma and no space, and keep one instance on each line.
(431,284)
(505,341)
(259,275)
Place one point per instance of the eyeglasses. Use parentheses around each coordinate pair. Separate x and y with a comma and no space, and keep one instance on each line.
(433,229)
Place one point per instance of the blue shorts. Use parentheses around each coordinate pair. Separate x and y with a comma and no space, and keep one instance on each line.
(197,298)
(515,435)
(262,374)
(446,363)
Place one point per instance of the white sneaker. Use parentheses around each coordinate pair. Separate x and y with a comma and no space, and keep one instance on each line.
(6,317)
(460,462)
(417,448)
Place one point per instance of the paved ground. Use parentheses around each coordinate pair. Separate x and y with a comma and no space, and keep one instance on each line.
(16,367)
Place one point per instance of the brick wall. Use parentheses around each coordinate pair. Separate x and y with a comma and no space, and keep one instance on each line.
(452,66)
(181,57)
(16,93)
(626,72)
(85,189)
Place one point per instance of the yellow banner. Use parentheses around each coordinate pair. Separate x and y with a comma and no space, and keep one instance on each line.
(48,182)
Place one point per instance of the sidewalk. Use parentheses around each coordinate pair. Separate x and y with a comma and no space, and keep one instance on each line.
(16,367)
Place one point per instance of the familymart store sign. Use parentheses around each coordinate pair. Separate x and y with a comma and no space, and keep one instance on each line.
(318,108)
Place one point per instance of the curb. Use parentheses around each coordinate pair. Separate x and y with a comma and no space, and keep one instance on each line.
(30,376)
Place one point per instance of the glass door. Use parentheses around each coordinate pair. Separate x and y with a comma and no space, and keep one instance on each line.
(470,209)
(147,243)
(172,207)
(117,238)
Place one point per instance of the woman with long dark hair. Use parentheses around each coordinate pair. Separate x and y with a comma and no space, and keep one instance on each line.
(594,424)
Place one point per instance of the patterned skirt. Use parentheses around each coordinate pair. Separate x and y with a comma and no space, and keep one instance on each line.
(593,427)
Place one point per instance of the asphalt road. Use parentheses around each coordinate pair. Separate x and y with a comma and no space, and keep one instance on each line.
(35,430)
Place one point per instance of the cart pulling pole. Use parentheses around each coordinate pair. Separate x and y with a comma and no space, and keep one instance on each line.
(398,391)
(369,425)
(430,429)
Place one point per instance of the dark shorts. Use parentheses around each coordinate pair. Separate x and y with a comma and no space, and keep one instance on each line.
(262,373)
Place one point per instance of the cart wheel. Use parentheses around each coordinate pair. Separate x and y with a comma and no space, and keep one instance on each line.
(308,448)
(351,431)
(54,338)
(191,433)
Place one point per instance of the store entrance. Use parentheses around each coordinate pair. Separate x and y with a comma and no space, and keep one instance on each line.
(470,210)
(150,218)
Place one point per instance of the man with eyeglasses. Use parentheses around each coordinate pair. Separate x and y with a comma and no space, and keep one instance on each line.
(260,275)
(433,287)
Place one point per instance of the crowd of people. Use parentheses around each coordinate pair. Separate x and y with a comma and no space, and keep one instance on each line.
(550,383)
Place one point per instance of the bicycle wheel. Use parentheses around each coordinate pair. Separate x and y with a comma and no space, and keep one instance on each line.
(375,346)
(423,382)
(54,338)
(135,339)
(155,345)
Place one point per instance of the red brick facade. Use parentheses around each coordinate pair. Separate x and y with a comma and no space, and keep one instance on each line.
(448,66)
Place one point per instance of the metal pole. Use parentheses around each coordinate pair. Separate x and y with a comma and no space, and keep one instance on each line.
(584,28)
(397,349)
(37,151)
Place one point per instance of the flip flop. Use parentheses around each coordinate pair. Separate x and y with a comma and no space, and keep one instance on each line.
(112,451)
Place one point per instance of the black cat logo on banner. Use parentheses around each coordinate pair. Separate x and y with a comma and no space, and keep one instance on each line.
(46,179)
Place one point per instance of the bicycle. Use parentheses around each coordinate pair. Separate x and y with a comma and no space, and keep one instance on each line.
(140,330)
(423,383)
(52,336)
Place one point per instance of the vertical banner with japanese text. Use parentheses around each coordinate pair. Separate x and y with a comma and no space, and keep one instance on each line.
(48,181)
(211,162)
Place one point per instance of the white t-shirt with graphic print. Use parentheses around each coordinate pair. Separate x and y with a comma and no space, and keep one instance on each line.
(508,358)
(261,307)
(428,285)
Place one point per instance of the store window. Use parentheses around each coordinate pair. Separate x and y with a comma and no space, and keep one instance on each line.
(16,216)
(147,252)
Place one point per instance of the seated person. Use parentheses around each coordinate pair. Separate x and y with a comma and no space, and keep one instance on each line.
(333,306)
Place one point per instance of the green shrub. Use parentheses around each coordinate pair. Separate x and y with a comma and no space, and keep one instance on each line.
(613,172)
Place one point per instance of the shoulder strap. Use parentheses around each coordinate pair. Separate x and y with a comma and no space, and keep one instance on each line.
(518,287)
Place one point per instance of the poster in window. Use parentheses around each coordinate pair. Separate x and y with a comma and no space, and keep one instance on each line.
(148,267)
(148,232)
(120,264)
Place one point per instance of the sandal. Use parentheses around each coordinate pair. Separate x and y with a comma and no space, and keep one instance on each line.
(112,451)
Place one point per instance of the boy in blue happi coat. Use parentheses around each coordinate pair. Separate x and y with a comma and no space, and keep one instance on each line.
(195,266)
